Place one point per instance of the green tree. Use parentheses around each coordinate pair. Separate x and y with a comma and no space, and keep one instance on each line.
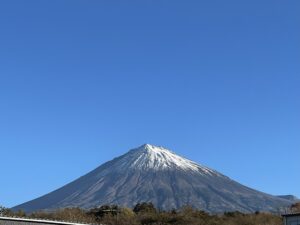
(5,211)
(144,207)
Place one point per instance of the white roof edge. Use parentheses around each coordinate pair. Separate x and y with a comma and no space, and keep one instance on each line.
(40,221)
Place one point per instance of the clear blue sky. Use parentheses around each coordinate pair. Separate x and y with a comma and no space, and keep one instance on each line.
(82,82)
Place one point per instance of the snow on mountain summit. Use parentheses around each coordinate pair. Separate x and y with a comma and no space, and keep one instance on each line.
(155,174)
(150,157)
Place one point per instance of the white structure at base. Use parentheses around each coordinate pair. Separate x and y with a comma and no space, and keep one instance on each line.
(23,221)
(291,219)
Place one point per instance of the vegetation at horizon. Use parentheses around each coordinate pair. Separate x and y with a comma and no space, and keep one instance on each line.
(147,214)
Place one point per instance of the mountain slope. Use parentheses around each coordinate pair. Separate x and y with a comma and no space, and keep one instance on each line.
(155,174)
(289,197)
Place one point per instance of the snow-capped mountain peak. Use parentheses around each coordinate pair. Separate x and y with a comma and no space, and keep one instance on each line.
(155,174)
(151,157)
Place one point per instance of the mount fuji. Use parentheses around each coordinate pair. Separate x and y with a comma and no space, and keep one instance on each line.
(155,174)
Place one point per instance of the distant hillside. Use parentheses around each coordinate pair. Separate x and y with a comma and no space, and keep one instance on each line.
(289,197)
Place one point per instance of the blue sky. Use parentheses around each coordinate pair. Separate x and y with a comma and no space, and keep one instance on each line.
(82,82)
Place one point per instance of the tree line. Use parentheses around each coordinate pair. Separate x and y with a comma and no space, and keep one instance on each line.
(146,214)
